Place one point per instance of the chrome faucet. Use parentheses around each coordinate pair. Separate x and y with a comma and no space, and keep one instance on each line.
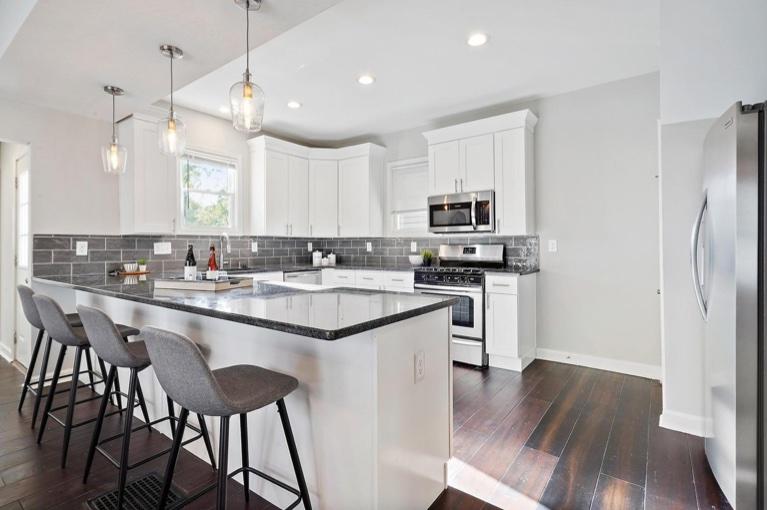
(225,248)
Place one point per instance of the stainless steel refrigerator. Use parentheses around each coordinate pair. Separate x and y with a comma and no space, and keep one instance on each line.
(727,260)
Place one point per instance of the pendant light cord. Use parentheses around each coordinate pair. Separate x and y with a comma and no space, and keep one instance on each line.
(114,135)
(171,82)
(247,38)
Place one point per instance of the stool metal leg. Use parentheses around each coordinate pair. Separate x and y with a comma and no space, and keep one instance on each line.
(142,402)
(119,393)
(206,439)
(172,457)
(51,392)
(294,454)
(172,414)
(223,456)
(245,463)
(103,369)
(71,406)
(89,364)
(41,381)
(31,368)
(99,422)
(126,437)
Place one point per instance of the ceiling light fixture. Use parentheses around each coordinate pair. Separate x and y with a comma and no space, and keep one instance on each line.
(245,97)
(171,130)
(366,79)
(114,156)
(477,39)
(294,105)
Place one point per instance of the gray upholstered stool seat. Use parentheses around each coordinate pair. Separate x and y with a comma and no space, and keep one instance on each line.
(137,349)
(186,377)
(245,388)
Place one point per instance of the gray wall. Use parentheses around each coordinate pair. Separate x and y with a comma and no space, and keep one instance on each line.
(596,156)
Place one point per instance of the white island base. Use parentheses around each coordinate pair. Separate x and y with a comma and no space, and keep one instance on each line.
(369,433)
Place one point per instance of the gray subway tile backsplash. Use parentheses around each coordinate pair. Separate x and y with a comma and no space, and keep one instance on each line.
(54,255)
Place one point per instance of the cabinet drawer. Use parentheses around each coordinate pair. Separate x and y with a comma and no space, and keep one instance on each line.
(338,277)
(369,278)
(398,280)
(501,284)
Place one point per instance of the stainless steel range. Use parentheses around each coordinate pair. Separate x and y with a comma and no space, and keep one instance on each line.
(461,273)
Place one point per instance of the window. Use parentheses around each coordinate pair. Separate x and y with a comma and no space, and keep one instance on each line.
(208,192)
(407,197)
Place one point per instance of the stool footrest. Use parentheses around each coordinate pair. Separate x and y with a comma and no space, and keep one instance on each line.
(89,420)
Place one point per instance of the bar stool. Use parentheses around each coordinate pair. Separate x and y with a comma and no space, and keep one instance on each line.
(59,329)
(109,345)
(239,389)
(33,317)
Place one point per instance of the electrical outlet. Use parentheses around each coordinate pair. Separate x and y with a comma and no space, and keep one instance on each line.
(413,247)
(553,245)
(163,248)
(254,247)
(369,246)
(81,248)
(308,246)
(420,365)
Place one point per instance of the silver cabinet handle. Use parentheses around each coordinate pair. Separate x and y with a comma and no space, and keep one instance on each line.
(501,284)
(287,229)
(342,277)
(694,238)
(498,225)
(398,279)
(455,185)
(310,230)
(461,183)
(367,278)
(473,210)
(487,301)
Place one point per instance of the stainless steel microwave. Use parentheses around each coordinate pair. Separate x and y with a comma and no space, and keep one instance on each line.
(462,212)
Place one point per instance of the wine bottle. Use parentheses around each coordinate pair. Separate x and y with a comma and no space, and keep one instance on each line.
(190,265)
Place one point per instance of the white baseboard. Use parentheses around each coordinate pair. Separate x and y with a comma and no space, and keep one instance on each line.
(613,365)
(515,364)
(683,422)
(6,353)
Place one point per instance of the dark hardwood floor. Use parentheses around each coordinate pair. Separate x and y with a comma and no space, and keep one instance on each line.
(554,437)
(564,437)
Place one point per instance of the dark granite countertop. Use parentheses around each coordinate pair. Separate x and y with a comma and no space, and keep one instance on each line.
(327,314)
(309,267)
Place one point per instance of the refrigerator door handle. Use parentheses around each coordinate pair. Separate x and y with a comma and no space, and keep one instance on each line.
(694,257)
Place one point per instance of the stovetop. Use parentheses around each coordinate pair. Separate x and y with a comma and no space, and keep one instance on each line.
(450,276)
(443,269)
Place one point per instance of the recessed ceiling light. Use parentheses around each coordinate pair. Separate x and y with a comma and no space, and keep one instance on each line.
(477,39)
(294,104)
(223,109)
(366,79)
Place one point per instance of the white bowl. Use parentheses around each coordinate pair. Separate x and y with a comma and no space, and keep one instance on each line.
(415,260)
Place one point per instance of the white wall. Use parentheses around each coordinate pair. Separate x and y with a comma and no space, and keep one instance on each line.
(596,159)
(69,191)
(712,54)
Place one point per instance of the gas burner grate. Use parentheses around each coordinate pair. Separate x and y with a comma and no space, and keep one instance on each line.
(140,494)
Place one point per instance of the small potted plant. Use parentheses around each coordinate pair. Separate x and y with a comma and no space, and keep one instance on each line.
(427,256)
(141,265)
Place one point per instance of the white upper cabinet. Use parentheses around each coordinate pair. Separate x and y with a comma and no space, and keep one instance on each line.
(300,191)
(148,186)
(323,197)
(495,153)
(444,168)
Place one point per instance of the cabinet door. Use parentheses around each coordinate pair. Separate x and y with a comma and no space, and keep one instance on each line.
(444,168)
(298,196)
(276,181)
(154,192)
(501,324)
(477,163)
(323,198)
(354,197)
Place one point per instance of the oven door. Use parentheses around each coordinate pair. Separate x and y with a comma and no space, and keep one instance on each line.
(462,212)
(468,313)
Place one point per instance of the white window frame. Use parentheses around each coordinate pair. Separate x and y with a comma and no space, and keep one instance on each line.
(227,159)
(406,165)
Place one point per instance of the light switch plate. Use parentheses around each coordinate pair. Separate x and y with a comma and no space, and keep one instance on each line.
(553,245)
(308,246)
(163,248)
(81,248)
(413,247)
(369,246)
(254,246)
(419,365)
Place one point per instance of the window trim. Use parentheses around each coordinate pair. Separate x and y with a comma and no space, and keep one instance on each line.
(212,155)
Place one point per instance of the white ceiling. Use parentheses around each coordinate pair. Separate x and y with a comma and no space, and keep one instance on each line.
(66,51)
(424,69)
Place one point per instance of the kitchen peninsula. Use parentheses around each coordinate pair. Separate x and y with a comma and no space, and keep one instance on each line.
(369,362)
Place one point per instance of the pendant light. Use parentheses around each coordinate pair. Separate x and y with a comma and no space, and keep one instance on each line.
(114,155)
(245,97)
(171,130)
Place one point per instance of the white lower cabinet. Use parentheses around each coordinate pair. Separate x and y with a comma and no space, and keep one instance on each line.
(510,320)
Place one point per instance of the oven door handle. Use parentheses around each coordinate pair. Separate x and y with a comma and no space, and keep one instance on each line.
(440,289)
(474,212)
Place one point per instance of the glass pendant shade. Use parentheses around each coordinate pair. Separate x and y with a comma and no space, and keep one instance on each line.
(246,101)
(172,135)
(114,157)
